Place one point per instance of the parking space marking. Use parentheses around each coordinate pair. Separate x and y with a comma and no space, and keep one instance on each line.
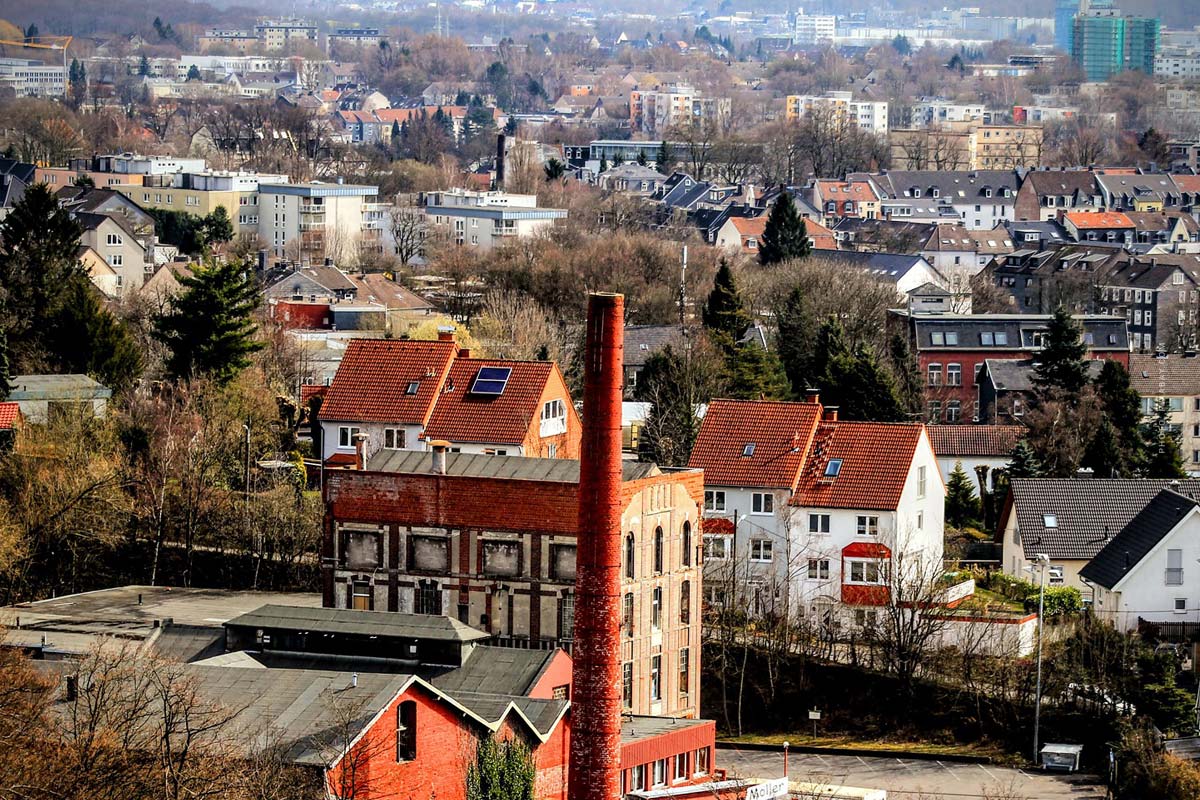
(987,772)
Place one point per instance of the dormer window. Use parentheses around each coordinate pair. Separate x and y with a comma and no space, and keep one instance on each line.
(937,192)
(916,192)
(987,192)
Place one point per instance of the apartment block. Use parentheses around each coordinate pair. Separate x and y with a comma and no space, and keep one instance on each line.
(662,108)
(814,28)
(870,116)
(321,220)
(485,220)
(31,78)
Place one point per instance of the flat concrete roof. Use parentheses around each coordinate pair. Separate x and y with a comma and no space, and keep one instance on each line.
(57,387)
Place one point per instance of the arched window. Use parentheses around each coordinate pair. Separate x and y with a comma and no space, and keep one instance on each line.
(687,543)
(658,550)
(629,570)
(685,602)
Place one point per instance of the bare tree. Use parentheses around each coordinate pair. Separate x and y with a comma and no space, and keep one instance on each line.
(407,226)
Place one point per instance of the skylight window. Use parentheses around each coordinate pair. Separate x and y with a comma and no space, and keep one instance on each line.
(491,380)
(1050,520)
(748,449)
(413,387)
(833,468)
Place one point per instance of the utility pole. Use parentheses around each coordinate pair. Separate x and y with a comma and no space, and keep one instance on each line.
(1043,561)
(683,293)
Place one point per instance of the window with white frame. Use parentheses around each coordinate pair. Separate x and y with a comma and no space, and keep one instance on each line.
(1180,605)
(554,418)
(920,481)
(954,374)
(681,766)
(655,678)
(716,547)
(871,572)
(818,569)
(660,772)
(714,500)
(867,525)
(393,438)
(762,503)
(346,434)
(114,240)
(116,260)
(818,523)
(761,550)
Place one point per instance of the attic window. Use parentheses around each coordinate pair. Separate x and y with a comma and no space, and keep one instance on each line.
(1050,520)
(491,380)
(413,387)
(833,468)
(748,449)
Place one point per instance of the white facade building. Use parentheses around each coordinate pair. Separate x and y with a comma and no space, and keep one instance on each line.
(33,78)
(486,219)
(332,220)
(814,28)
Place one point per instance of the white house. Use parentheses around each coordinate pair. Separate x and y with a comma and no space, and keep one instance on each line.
(1149,570)
(815,516)
(486,219)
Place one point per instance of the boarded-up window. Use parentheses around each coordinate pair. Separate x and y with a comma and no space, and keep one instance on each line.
(430,553)
(562,562)
(362,549)
(502,558)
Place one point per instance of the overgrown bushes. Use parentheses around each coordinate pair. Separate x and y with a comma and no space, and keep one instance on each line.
(1059,600)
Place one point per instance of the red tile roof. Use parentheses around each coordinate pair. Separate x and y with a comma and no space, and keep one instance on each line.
(372,381)
(10,415)
(780,433)
(974,440)
(308,392)
(1099,219)
(460,416)
(876,458)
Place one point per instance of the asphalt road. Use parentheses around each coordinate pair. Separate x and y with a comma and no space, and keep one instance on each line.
(907,779)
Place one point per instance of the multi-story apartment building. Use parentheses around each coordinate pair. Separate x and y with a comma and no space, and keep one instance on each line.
(202,192)
(280,34)
(1158,295)
(486,219)
(870,116)
(1105,41)
(404,395)
(32,78)
(814,28)
(1177,62)
(353,37)
(1173,379)
(967,145)
(239,41)
(951,348)
(321,220)
(677,105)
(810,516)
(939,111)
(492,542)
(978,199)
(1044,194)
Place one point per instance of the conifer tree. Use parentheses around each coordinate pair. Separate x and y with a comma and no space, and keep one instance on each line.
(861,388)
(664,160)
(1060,364)
(1023,462)
(962,504)
(785,235)
(1163,459)
(753,373)
(1104,455)
(724,316)
(86,338)
(209,328)
(1122,408)
(795,331)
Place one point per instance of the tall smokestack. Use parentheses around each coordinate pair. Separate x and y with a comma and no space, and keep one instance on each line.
(596,702)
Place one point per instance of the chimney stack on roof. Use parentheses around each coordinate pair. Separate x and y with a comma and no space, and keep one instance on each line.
(446,333)
(831,413)
(438,448)
(595,764)
(812,396)
(360,451)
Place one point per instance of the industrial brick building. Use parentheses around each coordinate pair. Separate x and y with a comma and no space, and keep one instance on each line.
(492,542)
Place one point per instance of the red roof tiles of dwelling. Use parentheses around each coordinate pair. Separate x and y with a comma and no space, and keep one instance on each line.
(974,440)
(10,415)
(388,381)
(1099,219)
(754,442)
(463,416)
(875,461)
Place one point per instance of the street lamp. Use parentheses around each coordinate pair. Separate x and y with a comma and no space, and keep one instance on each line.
(1043,561)
(786,745)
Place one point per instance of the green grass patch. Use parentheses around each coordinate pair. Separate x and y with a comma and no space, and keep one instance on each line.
(805,739)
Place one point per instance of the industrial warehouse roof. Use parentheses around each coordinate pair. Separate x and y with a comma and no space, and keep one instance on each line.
(1069,518)
(366,623)
(1160,516)
(498,670)
(518,468)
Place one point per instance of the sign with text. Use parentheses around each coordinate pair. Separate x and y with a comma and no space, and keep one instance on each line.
(814,714)
(768,790)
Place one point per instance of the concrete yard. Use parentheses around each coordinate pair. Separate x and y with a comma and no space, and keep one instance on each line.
(909,779)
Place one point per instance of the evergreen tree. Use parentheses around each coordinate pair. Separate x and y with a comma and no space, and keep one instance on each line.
(665,159)
(641,158)
(1061,364)
(209,329)
(32,32)
(724,315)
(503,770)
(785,235)
(618,159)
(1104,455)
(554,169)
(962,504)
(1023,462)
(603,165)
(909,388)
(38,240)
(752,373)
(5,369)
(794,343)
(1163,459)
(218,227)
(830,345)
(193,73)
(861,388)
(86,338)
(1122,408)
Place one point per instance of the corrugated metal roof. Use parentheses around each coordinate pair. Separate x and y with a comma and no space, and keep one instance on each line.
(353,621)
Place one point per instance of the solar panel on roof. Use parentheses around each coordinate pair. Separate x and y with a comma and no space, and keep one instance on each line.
(491,380)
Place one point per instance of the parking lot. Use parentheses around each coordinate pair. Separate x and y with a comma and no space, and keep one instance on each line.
(908,779)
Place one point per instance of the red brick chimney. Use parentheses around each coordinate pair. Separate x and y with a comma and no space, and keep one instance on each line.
(596,702)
